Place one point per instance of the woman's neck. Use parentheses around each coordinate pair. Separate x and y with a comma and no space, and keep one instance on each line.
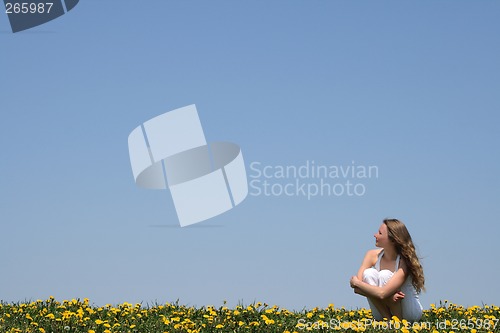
(390,253)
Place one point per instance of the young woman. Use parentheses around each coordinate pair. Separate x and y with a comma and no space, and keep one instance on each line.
(392,277)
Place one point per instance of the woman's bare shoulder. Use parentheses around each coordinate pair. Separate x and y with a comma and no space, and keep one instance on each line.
(373,252)
(372,255)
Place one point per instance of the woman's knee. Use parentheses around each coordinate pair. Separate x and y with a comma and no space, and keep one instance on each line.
(371,276)
(384,276)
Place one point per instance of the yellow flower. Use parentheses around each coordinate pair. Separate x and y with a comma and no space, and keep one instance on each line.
(269,321)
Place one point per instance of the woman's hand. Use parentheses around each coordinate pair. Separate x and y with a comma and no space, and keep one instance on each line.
(398,296)
(354,282)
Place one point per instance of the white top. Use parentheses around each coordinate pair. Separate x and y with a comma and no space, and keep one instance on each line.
(407,286)
(377,264)
(411,307)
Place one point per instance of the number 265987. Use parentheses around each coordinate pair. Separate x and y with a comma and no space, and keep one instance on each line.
(28,8)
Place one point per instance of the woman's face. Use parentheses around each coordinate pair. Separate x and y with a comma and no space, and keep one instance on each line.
(381,237)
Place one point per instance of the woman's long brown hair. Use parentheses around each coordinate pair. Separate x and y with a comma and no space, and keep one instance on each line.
(403,243)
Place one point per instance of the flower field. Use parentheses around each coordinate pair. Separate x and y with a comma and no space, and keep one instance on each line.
(79,316)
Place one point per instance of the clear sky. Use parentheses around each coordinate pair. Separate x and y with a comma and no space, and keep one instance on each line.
(410,87)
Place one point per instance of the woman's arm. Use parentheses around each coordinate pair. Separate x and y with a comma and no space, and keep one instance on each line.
(389,289)
(359,292)
(368,261)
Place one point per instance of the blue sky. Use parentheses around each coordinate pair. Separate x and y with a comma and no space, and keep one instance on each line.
(410,87)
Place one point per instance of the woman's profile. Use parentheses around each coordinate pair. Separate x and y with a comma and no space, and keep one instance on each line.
(392,277)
